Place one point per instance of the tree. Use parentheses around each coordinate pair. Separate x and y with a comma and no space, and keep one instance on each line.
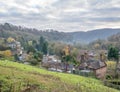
(67,50)
(56,48)
(44,48)
(4,47)
(75,52)
(41,43)
(97,45)
(24,42)
(113,53)
(10,39)
(67,57)
(31,59)
(38,56)
(30,43)
(34,43)
(31,49)
(6,53)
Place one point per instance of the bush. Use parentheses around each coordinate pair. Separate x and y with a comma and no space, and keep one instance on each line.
(1,56)
(33,62)
(5,54)
(111,68)
(109,77)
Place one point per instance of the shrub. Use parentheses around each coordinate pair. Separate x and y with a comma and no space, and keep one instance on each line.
(6,53)
(33,62)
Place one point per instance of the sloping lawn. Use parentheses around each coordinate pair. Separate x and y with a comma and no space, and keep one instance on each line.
(16,77)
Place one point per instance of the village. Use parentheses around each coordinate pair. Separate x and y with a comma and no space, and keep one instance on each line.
(89,62)
(103,65)
(59,45)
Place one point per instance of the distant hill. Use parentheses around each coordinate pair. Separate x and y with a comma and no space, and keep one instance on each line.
(114,38)
(93,35)
(7,30)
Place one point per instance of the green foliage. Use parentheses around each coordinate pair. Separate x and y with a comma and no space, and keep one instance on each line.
(4,47)
(43,45)
(34,58)
(40,44)
(69,58)
(45,48)
(34,43)
(31,49)
(16,58)
(56,48)
(38,56)
(113,53)
(33,61)
(115,40)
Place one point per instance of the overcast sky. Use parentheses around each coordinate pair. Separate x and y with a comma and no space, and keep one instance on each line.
(61,15)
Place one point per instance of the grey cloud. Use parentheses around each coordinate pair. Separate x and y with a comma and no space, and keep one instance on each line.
(103,19)
(62,14)
(108,10)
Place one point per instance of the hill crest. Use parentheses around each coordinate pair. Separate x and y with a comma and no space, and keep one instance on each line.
(8,29)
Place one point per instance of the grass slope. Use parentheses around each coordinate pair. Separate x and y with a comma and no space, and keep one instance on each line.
(16,77)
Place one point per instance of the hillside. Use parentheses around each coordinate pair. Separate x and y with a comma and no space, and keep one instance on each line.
(7,30)
(16,77)
(94,35)
(114,38)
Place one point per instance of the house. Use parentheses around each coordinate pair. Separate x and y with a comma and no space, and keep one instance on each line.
(51,62)
(87,54)
(15,46)
(52,59)
(23,57)
(98,67)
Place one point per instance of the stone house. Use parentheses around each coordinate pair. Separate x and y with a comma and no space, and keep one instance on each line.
(86,55)
(15,47)
(50,61)
(99,67)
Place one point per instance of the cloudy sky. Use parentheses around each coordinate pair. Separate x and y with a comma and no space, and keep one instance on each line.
(61,15)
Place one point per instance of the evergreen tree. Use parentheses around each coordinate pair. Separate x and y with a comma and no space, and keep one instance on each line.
(45,48)
(113,53)
(41,43)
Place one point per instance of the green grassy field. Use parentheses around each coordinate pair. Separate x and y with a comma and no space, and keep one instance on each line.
(16,77)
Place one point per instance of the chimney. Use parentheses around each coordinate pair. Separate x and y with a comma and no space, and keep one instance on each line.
(86,57)
(82,58)
(101,57)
